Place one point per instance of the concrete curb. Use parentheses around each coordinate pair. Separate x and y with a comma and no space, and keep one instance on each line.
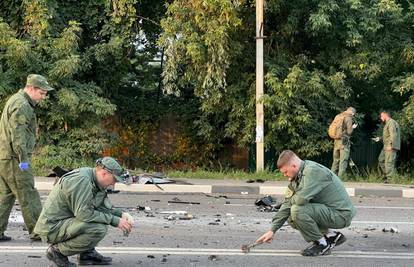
(367,190)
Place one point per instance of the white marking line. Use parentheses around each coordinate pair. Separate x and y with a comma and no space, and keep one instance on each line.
(223,252)
(382,222)
(358,207)
(384,207)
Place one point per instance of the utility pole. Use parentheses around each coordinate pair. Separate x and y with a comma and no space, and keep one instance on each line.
(259,87)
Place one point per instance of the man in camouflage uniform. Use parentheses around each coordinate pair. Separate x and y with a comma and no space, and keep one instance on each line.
(77,212)
(391,139)
(315,203)
(342,146)
(17,140)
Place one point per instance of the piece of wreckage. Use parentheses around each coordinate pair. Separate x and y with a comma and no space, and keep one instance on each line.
(140,178)
(267,204)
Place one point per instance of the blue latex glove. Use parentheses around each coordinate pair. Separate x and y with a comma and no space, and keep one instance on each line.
(24,166)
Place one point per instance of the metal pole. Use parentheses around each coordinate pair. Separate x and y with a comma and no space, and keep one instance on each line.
(259,87)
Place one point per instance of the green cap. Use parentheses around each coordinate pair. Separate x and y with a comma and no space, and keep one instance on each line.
(38,81)
(112,166)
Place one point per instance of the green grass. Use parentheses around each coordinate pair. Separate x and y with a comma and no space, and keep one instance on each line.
(373,176)
(366,176)
(222,175)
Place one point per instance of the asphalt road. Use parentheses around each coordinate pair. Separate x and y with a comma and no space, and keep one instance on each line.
(222,225)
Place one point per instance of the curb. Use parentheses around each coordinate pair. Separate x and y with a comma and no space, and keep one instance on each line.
(241,190)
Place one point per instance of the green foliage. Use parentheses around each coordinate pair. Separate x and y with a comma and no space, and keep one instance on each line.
(320,57)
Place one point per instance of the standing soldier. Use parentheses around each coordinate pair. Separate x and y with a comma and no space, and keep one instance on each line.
(341,130)
(391,139)
(315,203)
(77,212)
(17,140)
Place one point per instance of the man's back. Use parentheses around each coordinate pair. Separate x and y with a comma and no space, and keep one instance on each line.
(318,184)
(17,126)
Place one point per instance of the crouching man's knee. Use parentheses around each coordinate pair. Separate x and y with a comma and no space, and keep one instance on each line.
(297,213)
(99,231)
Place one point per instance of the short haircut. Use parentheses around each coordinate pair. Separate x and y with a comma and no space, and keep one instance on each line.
(386,112)
(285,157)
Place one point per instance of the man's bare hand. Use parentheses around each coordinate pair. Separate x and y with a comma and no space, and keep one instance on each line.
(266,237)
(124,225)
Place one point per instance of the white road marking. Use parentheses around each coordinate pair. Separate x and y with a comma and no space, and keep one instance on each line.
(222,252)
(384,207)
(382,222)
(358,207)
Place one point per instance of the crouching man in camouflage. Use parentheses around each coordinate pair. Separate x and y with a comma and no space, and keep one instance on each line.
(77,213)
(315,203)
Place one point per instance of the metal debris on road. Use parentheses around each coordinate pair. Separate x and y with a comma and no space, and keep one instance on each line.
(176,212)
(183,202)
(212,258)
(246,248)
(173,217)
(142,208)
(267,204)
(391,230)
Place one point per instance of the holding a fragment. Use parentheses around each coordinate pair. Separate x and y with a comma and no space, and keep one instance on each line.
(315,203)
(77,213)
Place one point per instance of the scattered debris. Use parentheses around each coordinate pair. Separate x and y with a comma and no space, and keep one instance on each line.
(170,217)
(173,217)
(212,258)
(267,204)
(184,202)
(176,212)
(246,248)
(391,230)
(152,178)
(144,208)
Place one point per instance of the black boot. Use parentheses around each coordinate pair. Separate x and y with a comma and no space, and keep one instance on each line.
(93,257)
(59,260)
(4,238)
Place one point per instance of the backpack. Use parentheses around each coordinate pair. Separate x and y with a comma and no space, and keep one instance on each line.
(335,129)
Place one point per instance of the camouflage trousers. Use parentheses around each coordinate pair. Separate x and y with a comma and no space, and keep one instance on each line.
(341,155)
(386,160)
(313,220)
(73,236)
(15,183)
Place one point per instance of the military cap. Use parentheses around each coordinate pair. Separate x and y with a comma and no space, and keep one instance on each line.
(38,81)
(112,166)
